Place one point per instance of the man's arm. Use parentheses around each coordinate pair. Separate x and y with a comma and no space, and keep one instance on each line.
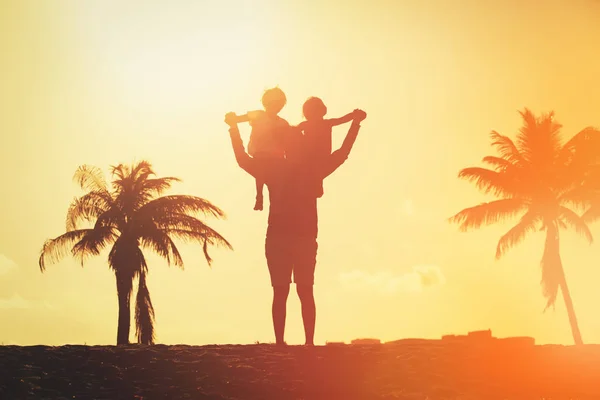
(243,159)
(338,157)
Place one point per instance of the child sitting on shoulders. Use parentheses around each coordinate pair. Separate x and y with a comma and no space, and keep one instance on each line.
(267,135)
(318,130)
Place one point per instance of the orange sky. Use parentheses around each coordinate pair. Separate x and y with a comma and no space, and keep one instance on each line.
(103,82)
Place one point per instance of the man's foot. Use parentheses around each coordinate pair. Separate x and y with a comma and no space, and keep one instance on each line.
(281,344)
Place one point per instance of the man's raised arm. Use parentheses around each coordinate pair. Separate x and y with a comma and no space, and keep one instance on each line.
(243,159)
(338,157)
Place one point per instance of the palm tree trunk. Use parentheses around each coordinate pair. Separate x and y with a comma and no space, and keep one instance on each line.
(570,309)
(553,276)
(124,285)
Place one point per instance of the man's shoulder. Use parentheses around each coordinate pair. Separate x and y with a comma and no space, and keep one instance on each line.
(282,121)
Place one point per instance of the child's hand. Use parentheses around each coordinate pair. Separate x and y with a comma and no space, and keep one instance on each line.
(231,119)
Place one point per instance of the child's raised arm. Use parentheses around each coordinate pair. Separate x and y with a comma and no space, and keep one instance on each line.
(339,156)
(242,118)
(342,120)
(250,115)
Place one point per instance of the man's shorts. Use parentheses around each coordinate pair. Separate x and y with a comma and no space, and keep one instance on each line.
(287,254)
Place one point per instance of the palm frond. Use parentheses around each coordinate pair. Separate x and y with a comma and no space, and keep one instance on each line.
(592,214)
(87,208)
(205,239)
(583,147)
(561,224)
(570,218)
(539,139)
(134,187)
(90,178)
(149,189)
(526,132)
(180,204)
(56,249)
(579,177)
(205,251)
(517,233)
(499,164)
(144,313)
(94,242)
(488,181)
(489,213)
(160,242)
(188,228)
(173,222)
(127,176)
(506,147)
(158,186)
(119,171)
(577,196)
(551,266)
(142,170)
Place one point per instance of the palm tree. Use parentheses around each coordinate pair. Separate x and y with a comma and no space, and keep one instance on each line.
(541,180)
(130,216)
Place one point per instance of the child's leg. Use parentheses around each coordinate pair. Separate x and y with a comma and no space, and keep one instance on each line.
(320,190)
(258,205)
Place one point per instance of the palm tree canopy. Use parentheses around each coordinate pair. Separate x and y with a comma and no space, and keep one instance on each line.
(537,174)
(537,178)
(131,213)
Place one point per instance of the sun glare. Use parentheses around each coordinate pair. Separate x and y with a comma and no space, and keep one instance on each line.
(188,69)
(179,62)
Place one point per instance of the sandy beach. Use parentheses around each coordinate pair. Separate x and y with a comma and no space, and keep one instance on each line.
(410,369)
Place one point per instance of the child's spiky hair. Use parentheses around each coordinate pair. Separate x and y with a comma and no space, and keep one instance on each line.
(274,98)
(314,108)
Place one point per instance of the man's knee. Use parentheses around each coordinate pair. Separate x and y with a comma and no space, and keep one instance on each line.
(305,292)
(281,291)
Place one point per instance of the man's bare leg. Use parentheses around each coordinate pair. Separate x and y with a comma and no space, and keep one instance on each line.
(309,311)
(280,295)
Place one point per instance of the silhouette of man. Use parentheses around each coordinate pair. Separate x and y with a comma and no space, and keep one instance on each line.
(291,240)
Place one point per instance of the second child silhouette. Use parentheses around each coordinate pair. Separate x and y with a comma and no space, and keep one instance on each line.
(318,130)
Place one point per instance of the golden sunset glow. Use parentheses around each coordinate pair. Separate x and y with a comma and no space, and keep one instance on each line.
(108,82)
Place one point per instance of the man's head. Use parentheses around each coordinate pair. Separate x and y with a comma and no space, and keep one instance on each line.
(273,100)
(314,108)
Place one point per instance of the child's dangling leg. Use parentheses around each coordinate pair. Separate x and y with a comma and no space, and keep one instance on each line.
(258,205)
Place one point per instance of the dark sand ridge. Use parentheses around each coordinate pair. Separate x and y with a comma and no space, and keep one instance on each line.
(413,369)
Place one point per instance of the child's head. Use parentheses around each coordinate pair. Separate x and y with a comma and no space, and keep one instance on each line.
(314,108)
(273,100)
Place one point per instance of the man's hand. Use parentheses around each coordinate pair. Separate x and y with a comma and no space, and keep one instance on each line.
(359,115)
(231,119)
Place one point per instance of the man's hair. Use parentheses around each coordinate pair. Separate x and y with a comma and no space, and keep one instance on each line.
(314,108)
(274,99)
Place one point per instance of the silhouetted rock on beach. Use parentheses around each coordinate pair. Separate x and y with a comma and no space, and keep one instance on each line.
(366,341)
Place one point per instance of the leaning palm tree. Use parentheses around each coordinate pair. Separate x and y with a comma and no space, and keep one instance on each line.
(540,179)
(130,216)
